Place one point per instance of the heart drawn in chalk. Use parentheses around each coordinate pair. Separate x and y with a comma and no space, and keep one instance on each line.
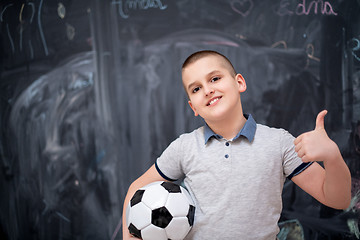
(242,6)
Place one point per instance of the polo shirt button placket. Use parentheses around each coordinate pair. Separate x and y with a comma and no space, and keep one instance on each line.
(227,144)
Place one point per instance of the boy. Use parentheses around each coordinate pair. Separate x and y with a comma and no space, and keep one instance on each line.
(234,168)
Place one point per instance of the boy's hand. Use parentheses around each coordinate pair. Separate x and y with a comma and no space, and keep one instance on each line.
(316,145)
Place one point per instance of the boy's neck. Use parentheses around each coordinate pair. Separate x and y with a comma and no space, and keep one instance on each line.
(228,128)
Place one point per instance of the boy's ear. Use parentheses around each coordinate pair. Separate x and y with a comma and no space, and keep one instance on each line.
(193,108)
(241,81)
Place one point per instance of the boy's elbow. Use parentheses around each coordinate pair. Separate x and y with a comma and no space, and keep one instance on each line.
(342,205)
(347,203)
(347,200)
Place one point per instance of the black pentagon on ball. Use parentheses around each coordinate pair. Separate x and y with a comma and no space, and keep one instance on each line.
(190,215)
(134,231)
(171,187)
(137,197)
(161,217)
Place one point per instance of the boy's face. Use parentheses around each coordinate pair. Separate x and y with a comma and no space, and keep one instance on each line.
(213,90)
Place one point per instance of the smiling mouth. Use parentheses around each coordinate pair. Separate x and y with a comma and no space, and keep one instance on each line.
(213,101)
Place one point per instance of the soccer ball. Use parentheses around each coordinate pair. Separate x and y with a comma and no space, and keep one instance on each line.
(160,210)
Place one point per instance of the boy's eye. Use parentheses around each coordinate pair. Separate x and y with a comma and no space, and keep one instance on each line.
(214,79)
(196,89)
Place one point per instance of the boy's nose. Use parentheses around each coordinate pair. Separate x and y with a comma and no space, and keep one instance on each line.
(208,91)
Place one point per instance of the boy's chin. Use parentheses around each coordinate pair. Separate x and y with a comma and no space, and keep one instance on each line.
(215,118)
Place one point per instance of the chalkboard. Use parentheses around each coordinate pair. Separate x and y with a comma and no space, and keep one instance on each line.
(91,94)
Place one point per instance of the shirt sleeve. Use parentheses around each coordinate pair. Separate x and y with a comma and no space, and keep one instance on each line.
(169,163)
(292,164)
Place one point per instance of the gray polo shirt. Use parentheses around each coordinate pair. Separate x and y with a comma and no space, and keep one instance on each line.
(236,184)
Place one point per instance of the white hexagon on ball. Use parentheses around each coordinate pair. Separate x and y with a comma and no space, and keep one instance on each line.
(155,196)
(152,232)
(178,228)
(177,204)
(140,216)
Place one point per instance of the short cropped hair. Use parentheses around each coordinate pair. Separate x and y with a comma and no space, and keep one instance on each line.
(204,53)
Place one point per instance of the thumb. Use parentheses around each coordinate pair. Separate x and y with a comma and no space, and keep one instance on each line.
(320,119)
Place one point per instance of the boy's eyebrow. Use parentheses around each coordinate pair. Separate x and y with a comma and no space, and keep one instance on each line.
(207,76)
(213,72)
(191,85)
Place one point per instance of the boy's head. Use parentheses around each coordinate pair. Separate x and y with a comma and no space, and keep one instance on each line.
(212,85)
(205,53)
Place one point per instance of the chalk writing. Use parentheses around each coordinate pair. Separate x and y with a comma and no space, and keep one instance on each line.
(305,8)
(23,24)
(32,5)
(225,43)
(355,51)
(3,11)
(7,27)
(61,10)
(310,52)
(355,193)
(354,227)
(118,227)
(242,37)
(62,216)
(21,11)
(243,7)
(40,29)
(279,43)
(324,7)
(124,6)
(283,9)
(70,31)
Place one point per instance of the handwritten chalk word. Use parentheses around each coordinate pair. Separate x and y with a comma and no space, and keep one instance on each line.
(356,48)
(305,8)
(124,6)
(324,7)
(243,7)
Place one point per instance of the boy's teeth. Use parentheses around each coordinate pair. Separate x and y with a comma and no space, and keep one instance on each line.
(213,101)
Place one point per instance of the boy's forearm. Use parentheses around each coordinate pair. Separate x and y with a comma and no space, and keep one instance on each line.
(337,184)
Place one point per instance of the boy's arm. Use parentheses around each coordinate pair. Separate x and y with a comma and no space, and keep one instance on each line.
(332,185)
(151,175)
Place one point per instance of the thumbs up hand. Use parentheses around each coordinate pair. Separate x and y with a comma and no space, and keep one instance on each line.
(316,145)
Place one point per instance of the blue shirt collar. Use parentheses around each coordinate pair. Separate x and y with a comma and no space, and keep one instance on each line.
(247,131)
